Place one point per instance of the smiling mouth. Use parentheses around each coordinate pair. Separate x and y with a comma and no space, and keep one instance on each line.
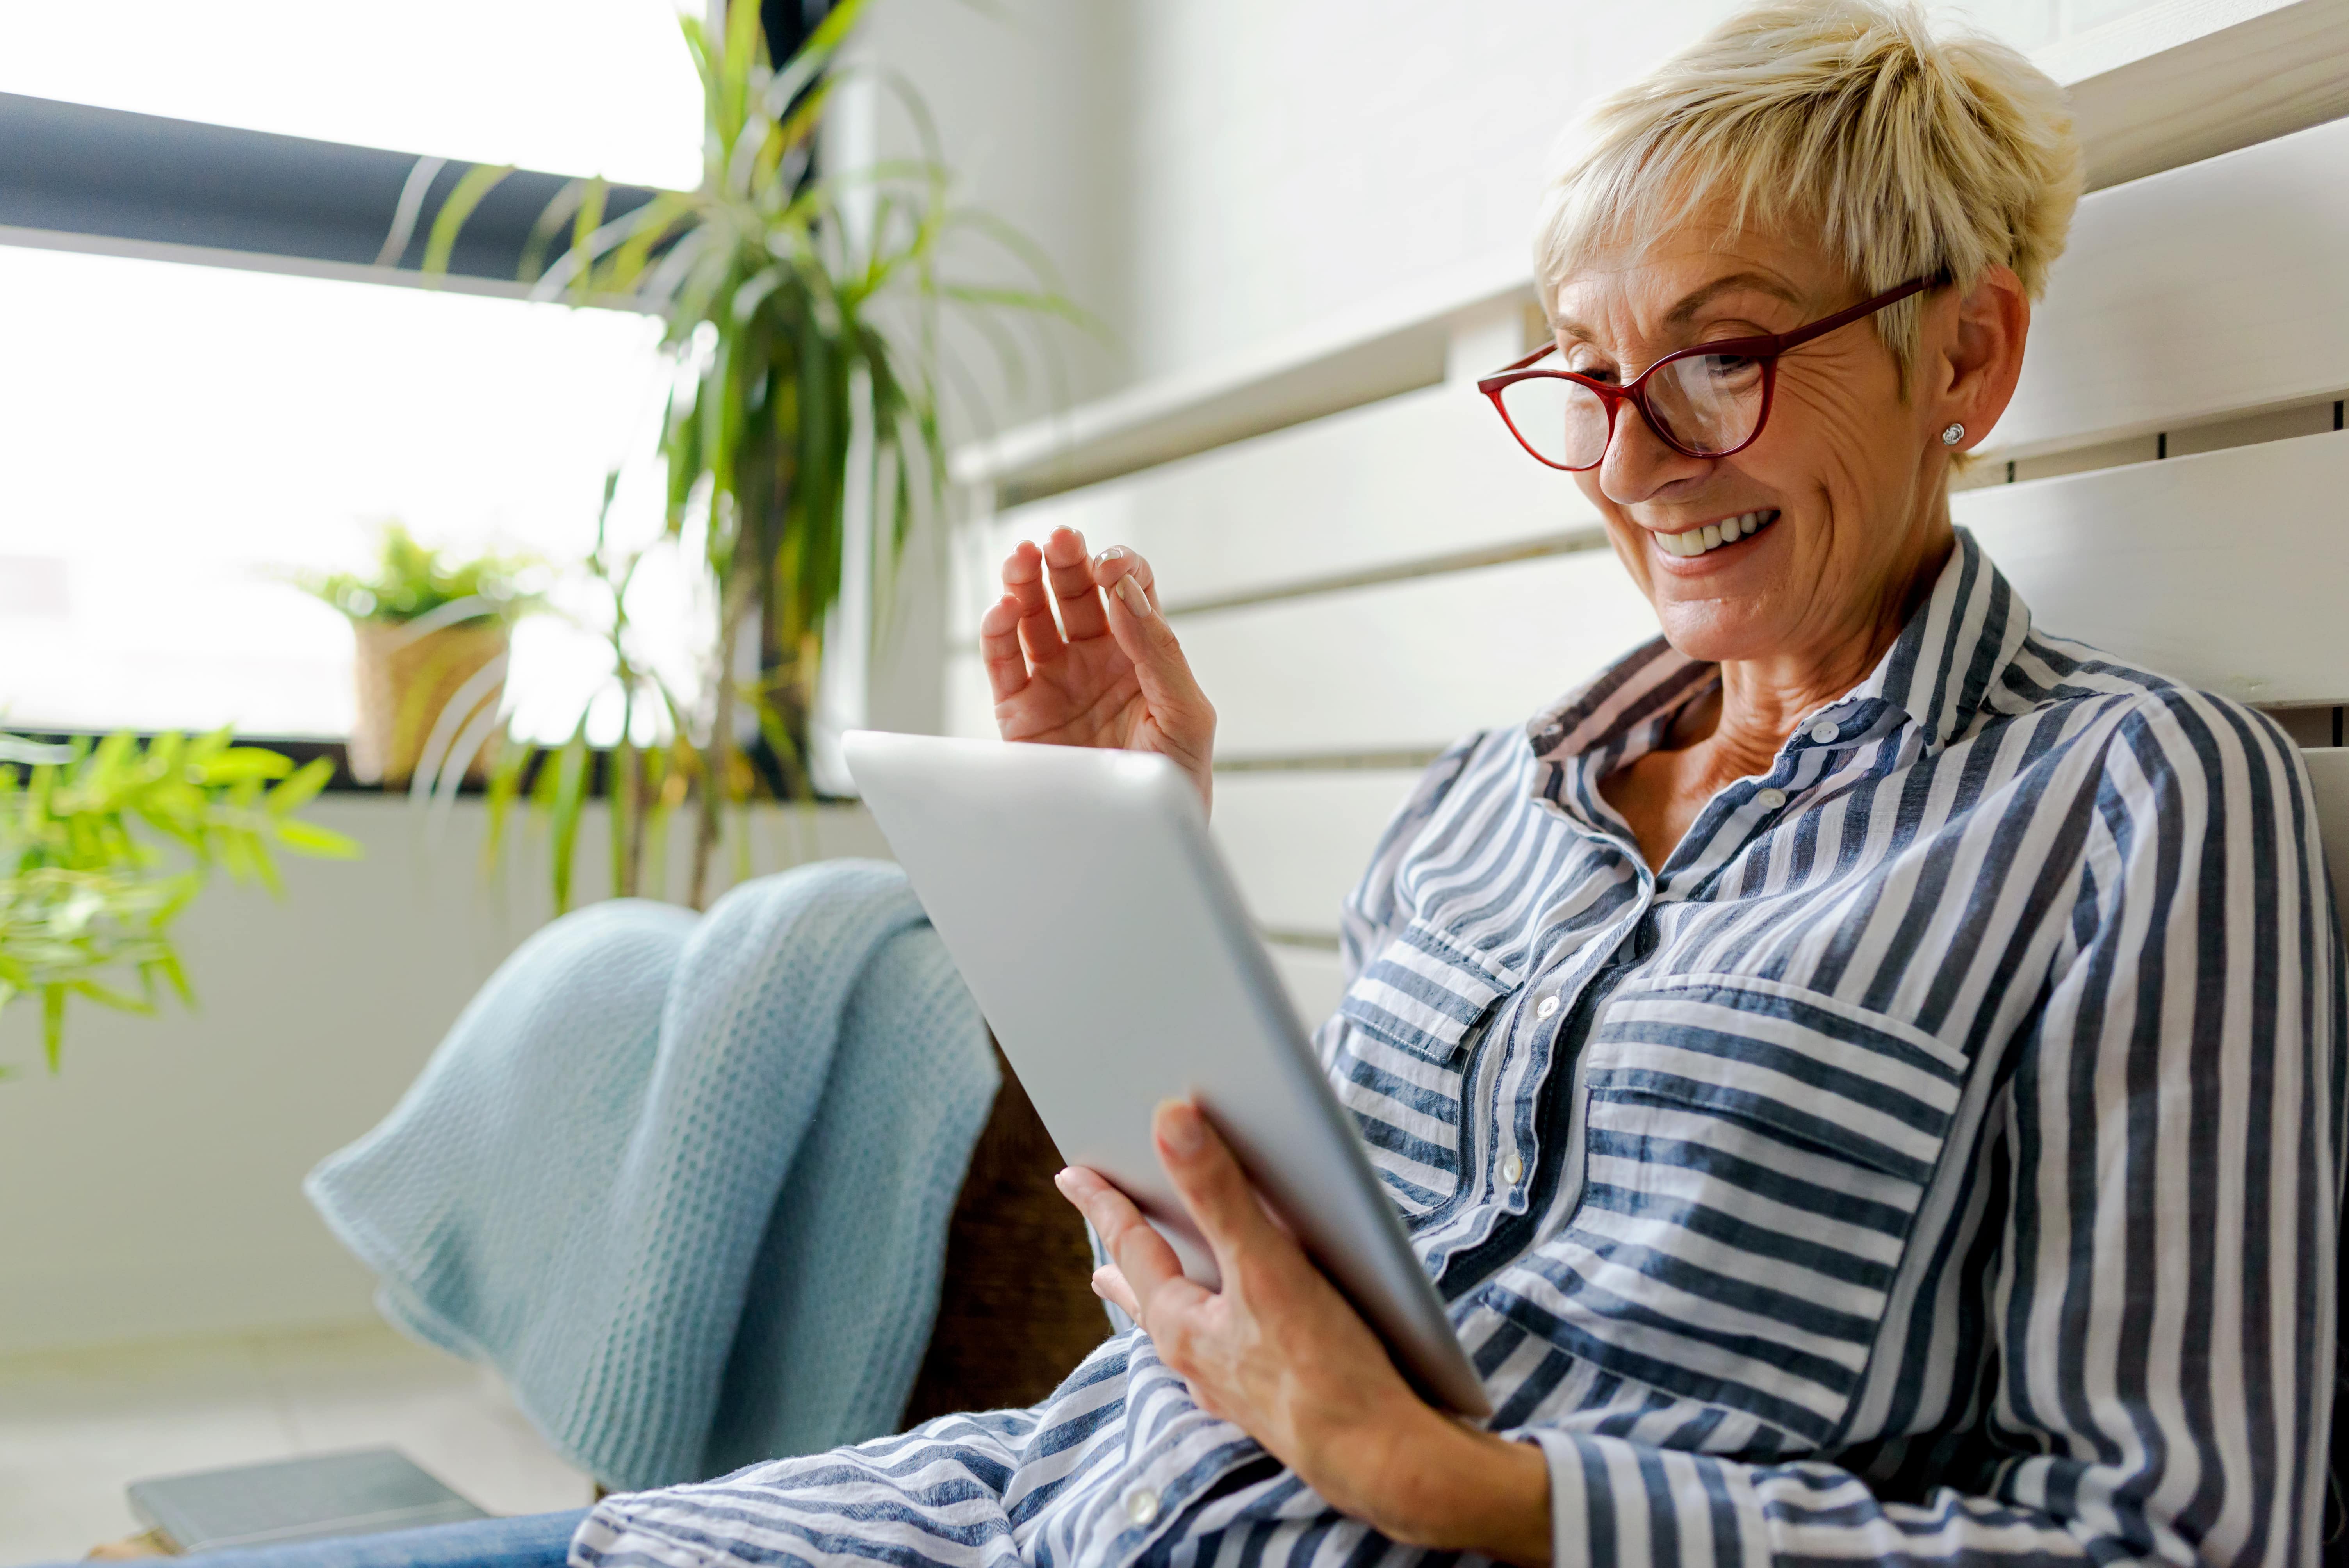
(1713,535)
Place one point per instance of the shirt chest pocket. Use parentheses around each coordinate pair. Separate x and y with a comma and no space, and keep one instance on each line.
(1755,1156)
(1410,1026)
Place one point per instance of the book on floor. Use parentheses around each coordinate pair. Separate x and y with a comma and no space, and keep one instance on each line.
(362,1492)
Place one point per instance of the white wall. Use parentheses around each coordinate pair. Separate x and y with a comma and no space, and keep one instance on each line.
(152,1188)
(1214,173)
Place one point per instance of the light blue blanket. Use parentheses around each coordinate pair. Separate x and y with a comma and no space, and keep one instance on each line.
(684,1180)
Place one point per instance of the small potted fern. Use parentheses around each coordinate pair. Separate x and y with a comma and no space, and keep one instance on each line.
(432,640)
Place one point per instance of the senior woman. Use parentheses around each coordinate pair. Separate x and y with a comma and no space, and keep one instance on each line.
(1864,1072)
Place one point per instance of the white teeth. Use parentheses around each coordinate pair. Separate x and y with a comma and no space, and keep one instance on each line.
(1713,535)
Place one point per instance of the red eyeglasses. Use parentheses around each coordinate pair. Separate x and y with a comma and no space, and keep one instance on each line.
(1708,401)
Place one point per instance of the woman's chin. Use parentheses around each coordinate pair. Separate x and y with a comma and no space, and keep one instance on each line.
(1719,631)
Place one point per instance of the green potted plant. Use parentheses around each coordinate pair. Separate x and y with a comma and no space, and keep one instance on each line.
(432,639)
(803,306)
(102,847)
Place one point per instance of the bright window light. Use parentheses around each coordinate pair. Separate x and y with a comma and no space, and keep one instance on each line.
(182,437)
(571,86)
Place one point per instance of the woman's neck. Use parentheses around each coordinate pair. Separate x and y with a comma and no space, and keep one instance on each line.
(1738,731)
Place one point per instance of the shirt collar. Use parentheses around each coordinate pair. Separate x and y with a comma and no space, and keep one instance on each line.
(1938,671)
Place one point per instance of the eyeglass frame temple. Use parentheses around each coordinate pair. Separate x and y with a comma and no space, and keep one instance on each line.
(1766,348)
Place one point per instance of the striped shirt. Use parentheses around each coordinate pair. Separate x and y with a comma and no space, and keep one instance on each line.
(1938,1159)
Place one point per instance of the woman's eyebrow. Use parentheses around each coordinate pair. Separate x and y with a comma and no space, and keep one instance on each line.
(1678,314)
(1761,283)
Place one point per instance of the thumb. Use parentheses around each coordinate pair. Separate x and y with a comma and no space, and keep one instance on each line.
(1212,1184)
(1167,684)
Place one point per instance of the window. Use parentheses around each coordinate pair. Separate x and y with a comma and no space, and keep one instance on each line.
(180,439)
(576,87)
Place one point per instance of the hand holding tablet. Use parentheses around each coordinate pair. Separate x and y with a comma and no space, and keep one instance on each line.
(1085,905)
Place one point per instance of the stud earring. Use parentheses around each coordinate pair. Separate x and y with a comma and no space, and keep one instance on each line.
(1953,435)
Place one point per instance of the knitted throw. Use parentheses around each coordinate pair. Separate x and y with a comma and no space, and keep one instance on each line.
(683,1180)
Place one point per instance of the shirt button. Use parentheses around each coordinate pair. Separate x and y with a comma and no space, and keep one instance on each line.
(1546,1008)
(1142,1505)
(1512,1169)
(1770,800)
(1826,731)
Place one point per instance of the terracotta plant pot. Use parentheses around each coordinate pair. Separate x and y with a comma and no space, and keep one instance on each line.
(408,687)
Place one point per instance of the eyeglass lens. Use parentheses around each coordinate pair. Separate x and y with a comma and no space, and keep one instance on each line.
(1706,403)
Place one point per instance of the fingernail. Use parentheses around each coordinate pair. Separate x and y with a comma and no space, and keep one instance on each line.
(1136,601)
(1114,553)
(1066,1178)
(1182,1130)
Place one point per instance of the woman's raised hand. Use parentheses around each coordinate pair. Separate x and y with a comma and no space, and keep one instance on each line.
(1118,678)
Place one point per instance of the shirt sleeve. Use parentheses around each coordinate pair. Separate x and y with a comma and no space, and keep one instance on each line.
(2160,1317)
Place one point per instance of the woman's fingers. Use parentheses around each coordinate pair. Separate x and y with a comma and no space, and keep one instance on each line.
(1109,1283)
(1153,1274)
(1023,582)
(998,649)
(1073,584)
(1213,1186)
(1117,562)
(1183,711)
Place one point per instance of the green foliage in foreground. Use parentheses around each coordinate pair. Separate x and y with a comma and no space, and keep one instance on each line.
(410,581)
(102,846)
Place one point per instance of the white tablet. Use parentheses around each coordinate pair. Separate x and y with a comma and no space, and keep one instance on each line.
(1082,898)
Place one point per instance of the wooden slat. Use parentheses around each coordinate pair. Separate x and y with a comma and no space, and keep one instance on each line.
(1410,666)
(1363,351)
(1298,841)
(2172,83)
(2224,569)
(2205,291)
(1425,476)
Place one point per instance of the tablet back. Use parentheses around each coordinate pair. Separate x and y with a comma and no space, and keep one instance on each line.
(1082,898)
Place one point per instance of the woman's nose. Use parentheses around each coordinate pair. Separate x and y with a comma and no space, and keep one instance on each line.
(1637,465)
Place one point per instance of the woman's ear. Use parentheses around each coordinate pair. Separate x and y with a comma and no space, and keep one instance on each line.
(1980,356)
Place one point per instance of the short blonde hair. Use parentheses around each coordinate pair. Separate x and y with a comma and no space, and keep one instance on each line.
(1910,153)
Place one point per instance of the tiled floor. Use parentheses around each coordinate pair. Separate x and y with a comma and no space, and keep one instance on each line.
(74,1427)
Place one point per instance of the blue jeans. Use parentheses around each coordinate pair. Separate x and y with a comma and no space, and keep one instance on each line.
(538,1540)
